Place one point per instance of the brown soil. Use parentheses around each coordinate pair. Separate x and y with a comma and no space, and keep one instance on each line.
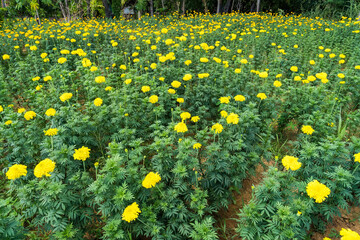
(347,220)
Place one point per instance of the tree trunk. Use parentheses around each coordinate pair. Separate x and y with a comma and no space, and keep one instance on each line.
(139,14)
(107,8)
(218,6)
(151,7)
(205,6)
(162,4)
(258,6)
(232,5)
(3,3)
(183,7)
(88,9)
(227,6)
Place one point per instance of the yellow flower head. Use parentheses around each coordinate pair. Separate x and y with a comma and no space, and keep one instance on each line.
(122,67)
(243,61)
(43,55)
(239,98)
(93,69)
(217,127)
(153,99)
(62,60)
(100,79)
(108,88)
(16,171)
(232,118)
(263,74)
(181,127)
(6,57)
(307,129)
(195,119)
(98,102)
(262,96)
(204,60)
(86,62)
(65,96)
(44,167)
(223,113)
(50,112)
(47,78)
(1,108)
(180,100)
(145,89)
(197,146)
(29,115)
(185,115)
(51,132)
(131,212)
(8,122)
(171,91)
(21,110)
(291,162)
(188,62)
(225,100)
(341,75)
(176,84)
(187,77)
(348,234)
(317,191)
(294,69)
(357,157)
(153,66)
(151,180)
(237,70)
(82,153)
(277,84)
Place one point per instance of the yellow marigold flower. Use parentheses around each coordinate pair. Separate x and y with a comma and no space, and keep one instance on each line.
(51,132)
(82,153)
(217,127)
(317,191)
(188,62)
(47,78)
(195,119)
(127,81)
(164,30)
(278,75)
(204,60)
(307,129)
(332,55)
(294,69)
(176,84)
(16,171)
(29,115)
(43,55)
(131,212)
(341,75)
(291,162)
(33,48)
(161,79)
(185,115)
(197,146)
(153,99)
(263,74)
(243,61)
(145,89)
(44,167)
(357,67)
(100,79)
(180,100)
(114,44)
(203,75)
(65,96)
(153,66)
(299,213)
(86,62)
(6,57)
(277,84)
(262,96)
(62,60)
(187,77)
(171,91)
(1,108)
(321,75)
(98,102)
(223,113)
(324,80)
(38,87)
(20,110)
(93,68)
(8,122)
(348,234)
(181,127)
(108,88)
(232,118)
(327,50)
(312,62)
(225,100)
(36,78)
(151,180)
(96,165)
(122,67)
(357,157)
(50,112)
(237,70)
(326,238)
(135,54)
(239,98)
(297,78)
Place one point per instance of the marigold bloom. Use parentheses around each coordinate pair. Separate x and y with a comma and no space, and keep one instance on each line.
(195,119)
(100,79)
(348,234)
(188,62)
(180,100)
(357,157)
(29,115)
(185,115)
(225,100)
(47,78)
(153,99)
(278,75)
(151,180)
(237,70)
(294,69)
(44,167)
(223,113)
(187,77)
(1,108)
(98,102)
(176,84)
(62,60)
(128,81)
(8,122)
(197,146)
(243,61)
(51,132)
(145,89)
(108,88)
(317,191)
(232,118)
(16,171)
(82,153)
(171,91)
(307,129)
(312,62)
(50,112)
(131,212)
(263,74)
(181,127)
(33,48)
(20,110)
(277,84)
(217,127)
(341,75)
(43,55)
(204,60)
(262,96)
(239,98)
(122,67)
(65,96)
(6,57)
(291,162)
